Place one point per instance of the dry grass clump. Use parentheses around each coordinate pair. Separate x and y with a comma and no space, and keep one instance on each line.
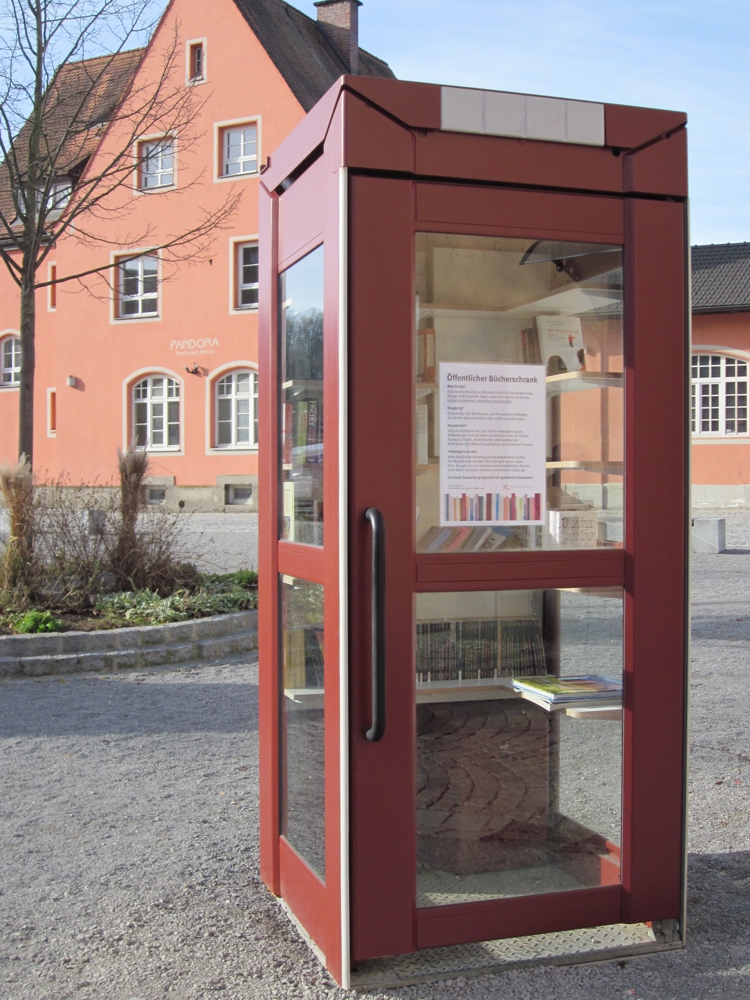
(69,545)
(17,487)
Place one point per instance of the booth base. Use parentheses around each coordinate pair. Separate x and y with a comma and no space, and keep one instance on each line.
(593,944)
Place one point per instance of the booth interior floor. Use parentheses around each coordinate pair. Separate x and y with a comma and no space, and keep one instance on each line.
(562,947)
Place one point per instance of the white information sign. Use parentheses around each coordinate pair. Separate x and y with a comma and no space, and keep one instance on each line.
(493,444)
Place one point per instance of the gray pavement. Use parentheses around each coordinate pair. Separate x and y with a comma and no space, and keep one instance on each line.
(128,837)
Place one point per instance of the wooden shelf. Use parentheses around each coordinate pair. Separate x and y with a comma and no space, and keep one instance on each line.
(575,381)
(474,689)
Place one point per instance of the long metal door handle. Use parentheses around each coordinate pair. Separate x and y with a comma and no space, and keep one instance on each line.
(377,626)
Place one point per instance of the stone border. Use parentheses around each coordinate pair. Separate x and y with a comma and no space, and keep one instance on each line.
(201,640)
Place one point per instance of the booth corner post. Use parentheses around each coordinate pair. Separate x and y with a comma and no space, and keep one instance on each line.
(473,528)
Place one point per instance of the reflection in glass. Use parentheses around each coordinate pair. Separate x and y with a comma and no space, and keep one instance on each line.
(551,310)
(301,367)
(302,719)
(515,798)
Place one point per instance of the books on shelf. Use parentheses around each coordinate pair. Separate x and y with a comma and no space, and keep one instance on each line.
(478,648)
(303,428)
(426,354)
(530,347)
(554,693)
(303,658)
(485,539)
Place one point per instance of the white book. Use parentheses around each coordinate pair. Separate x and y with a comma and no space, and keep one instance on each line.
(561,337)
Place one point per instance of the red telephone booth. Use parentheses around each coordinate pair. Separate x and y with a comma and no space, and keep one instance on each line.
(473,515)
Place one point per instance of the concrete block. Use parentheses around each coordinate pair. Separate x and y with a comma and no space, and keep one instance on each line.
(708,534)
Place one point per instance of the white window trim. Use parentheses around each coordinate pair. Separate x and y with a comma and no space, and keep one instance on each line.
(8,386)
(128,412)
(117,255)
(50,393)
(50,307)
(211,383)
(219,152)
(155,137)
(234,244)
(189,82)
(718,437)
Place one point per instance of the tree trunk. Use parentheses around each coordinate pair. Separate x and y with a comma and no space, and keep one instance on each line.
(28,364)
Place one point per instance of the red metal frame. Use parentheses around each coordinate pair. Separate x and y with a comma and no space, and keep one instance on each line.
(631,191)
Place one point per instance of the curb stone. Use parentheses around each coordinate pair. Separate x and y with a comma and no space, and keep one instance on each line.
(201,640)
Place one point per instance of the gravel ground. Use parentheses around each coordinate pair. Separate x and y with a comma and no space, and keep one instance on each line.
(128,832)
(225,542)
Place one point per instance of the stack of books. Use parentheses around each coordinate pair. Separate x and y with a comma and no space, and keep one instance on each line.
(473,649)
(553,694)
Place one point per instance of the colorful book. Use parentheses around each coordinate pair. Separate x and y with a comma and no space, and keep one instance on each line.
(552,693)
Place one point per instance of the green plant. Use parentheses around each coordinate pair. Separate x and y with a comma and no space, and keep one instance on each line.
(217,595)
(39,621)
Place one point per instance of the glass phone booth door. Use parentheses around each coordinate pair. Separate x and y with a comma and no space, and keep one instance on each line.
(494,440)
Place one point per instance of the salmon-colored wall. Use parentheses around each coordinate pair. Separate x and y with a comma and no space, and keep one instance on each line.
(724,461)
(106,356)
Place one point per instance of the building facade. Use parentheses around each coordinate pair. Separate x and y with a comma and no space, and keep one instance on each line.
(163,355)
(720,359)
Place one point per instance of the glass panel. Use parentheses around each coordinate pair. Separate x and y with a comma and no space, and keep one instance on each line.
(301,340)
(302,722)
(517,796)
(519,394)
(173,418)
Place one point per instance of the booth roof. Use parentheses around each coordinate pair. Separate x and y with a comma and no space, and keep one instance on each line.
(300,50)
(721,277)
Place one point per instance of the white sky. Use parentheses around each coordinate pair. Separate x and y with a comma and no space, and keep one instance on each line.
(688,56)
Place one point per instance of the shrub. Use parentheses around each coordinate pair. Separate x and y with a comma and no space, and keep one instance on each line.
(39,621)
(89,540)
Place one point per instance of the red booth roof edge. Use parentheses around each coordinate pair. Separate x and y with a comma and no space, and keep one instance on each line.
(422,106)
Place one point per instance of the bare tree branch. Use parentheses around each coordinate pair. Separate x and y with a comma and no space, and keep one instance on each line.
(69,81)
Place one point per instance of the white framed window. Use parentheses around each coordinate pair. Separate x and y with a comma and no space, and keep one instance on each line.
(237,409)
(239,150)
(719,404)
(156,413)
(137,287)
(59,196)
(10,361)
(246,280)
(156,164)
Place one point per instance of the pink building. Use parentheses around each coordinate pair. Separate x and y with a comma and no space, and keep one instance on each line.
(167,356)
(721,355)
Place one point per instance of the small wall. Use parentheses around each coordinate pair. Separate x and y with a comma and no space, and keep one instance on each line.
(202,640)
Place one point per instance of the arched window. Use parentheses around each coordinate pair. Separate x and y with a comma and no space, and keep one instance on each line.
(156,413)
(719,395)
(10,359)
(237,409)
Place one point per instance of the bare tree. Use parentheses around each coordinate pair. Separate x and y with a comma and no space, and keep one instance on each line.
(69,78)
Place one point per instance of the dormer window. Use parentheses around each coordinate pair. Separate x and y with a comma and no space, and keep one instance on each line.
(197,62)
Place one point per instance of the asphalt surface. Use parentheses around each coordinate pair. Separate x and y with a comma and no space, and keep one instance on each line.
(128,837)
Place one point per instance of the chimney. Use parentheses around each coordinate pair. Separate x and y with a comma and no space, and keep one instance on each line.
(339,21)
